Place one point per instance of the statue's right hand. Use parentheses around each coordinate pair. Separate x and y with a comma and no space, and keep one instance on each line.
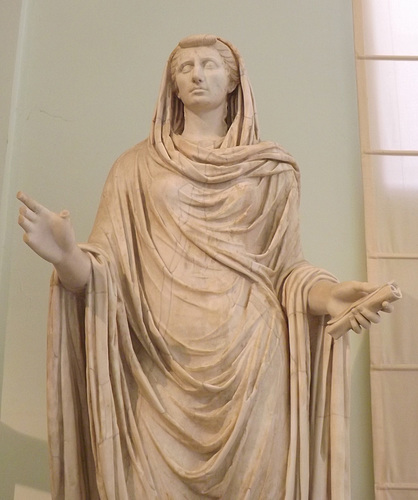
(50,235)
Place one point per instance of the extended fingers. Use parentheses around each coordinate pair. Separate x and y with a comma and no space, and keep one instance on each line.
(29,214)
(26,213)
(26,218)
(23,221)
(29,202)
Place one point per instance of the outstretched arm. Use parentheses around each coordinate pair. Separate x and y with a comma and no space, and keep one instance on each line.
(52,237)
(331,298)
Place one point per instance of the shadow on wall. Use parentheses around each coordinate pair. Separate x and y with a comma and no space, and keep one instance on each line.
(23,460)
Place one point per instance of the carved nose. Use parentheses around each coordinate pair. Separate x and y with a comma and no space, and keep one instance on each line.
(197,75)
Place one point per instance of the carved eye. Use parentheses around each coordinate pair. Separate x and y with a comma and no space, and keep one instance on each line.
(210,65)
(186,68)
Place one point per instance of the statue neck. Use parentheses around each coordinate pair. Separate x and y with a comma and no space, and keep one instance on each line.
(205,126)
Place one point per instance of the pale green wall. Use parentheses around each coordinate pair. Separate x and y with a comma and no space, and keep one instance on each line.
(88,75)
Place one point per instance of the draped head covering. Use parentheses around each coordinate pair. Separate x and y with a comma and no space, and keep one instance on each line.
(241,117)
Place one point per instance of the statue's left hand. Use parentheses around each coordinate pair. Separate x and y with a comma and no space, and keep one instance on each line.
(343,295)
(336,299)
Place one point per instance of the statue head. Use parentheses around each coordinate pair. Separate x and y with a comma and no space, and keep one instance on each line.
(230,62)
(212,41)
(241,116)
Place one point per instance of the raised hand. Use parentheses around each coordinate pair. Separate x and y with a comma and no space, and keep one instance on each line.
(51,236)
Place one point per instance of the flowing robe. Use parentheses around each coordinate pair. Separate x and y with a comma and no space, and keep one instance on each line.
(190,367)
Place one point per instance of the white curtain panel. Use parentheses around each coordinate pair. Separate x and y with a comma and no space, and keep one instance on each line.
(386,36)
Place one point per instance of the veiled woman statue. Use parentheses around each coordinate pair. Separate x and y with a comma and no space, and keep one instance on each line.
(186,349)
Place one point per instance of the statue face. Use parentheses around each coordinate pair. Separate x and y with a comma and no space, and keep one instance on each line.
(202,79)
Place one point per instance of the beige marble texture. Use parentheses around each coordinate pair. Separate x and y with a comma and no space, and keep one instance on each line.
(186,347)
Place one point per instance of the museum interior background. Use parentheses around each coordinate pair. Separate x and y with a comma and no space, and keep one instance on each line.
(79,82)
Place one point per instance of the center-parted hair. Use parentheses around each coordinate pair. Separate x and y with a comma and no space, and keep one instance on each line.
(205,41)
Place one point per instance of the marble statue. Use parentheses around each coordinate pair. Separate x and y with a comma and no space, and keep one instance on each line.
(186,350)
